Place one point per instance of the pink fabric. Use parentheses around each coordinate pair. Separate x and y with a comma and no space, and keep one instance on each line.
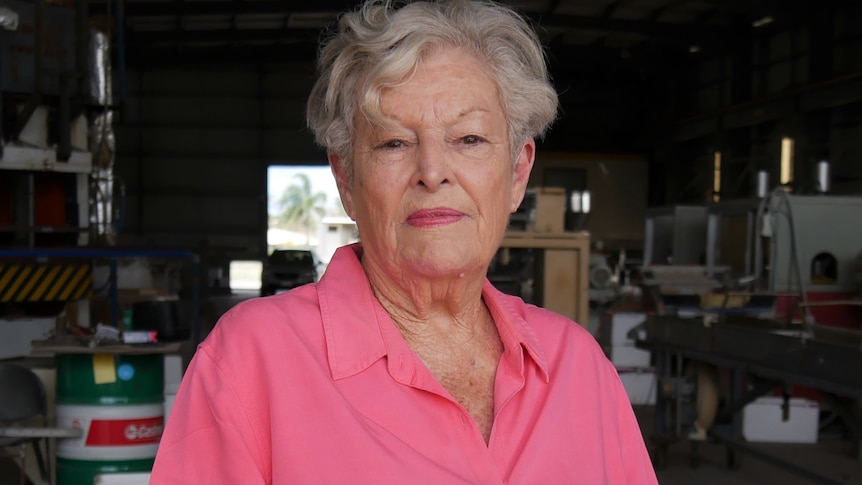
(316,386)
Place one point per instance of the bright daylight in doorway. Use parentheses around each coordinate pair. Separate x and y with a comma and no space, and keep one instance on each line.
(303,211)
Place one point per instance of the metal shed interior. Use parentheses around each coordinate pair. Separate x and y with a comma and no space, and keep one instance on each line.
(207,94)
(147,127)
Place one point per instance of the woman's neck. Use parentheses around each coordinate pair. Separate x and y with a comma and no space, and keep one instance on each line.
(445,303)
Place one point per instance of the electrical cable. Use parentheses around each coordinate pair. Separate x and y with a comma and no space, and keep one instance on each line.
(808,319)
(794,268)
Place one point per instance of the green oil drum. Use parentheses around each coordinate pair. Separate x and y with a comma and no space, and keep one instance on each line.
(118,402)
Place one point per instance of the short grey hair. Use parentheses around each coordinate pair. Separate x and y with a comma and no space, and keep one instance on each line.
(380,44)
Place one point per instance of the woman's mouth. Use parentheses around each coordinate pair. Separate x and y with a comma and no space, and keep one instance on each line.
(438,216)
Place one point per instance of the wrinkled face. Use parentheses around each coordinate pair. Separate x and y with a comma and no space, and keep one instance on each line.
(432,191)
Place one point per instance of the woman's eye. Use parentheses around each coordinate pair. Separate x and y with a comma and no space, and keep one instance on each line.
(392,144)
(471,140)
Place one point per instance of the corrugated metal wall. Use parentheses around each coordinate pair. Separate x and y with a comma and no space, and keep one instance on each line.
(194,143)
(803,82)
(193,148)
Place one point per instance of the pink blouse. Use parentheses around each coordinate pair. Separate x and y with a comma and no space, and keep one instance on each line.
(317,386)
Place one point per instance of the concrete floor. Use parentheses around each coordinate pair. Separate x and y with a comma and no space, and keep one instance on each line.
(828,461)
(707,463)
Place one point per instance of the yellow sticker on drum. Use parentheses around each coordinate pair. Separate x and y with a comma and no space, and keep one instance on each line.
(104,370)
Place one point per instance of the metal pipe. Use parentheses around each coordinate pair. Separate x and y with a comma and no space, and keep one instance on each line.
(762,184)
(823,177)
(102,142)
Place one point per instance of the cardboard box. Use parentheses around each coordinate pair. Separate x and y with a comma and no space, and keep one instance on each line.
(762,421)
(640,384)
(550,209)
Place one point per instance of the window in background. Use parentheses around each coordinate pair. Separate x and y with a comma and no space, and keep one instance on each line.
(245,275)
(299,197)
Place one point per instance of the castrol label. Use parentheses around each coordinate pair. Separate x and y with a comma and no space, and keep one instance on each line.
(124,432)
(111,432)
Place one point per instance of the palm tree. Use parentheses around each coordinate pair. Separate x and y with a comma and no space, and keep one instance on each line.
(299,206)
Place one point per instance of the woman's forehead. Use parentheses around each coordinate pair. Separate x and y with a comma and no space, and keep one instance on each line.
(445,83)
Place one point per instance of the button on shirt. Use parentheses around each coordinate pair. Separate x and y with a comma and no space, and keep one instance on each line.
(317,386)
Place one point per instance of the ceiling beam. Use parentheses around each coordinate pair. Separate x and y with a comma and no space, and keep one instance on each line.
(173,9)
(564,61)
(148,57)
(205,7)
(232,35)
(678,32)
(755,7)
(672,31)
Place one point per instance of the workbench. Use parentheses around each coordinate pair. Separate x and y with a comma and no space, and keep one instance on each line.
(760,356)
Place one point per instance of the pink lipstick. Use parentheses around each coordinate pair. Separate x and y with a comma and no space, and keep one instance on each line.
(438,216)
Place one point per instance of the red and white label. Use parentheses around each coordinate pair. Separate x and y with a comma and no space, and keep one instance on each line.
(124,432)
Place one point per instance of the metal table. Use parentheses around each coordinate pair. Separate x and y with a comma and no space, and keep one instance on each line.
(760,356)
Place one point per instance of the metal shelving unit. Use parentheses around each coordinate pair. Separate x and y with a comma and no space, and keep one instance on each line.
(112,256)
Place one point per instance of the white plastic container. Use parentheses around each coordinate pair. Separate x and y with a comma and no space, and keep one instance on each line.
(617,329)
(762,421)
(624,356)
(122,479)
(640,385)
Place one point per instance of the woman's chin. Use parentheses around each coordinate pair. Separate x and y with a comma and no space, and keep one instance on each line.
(443,264)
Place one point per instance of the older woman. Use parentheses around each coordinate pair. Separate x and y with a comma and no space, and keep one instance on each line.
(403,364)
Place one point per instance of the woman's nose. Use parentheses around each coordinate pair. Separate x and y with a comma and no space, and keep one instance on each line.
(432,166)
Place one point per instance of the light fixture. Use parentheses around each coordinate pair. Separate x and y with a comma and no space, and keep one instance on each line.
(765,20)
(716,176)
(786,166)
(580,201)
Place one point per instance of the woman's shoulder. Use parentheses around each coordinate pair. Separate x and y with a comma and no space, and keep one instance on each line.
(275,308)
(551,329)
(261,320)
(564,345)
(552,325)
(536,315)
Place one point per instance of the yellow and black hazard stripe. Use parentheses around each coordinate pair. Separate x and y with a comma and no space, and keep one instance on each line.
(45,282)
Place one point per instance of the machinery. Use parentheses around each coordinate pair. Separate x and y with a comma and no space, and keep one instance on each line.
(45,155)
(45,165)
(542,262)
(774,310)
(546,269)
(801,249)
(60,202)
(675,235)
(66,289)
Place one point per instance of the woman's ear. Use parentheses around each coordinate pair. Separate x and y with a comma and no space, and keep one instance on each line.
(523,168)
(342,180)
